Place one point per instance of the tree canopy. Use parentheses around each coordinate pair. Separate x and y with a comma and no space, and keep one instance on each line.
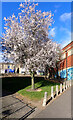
(26,38)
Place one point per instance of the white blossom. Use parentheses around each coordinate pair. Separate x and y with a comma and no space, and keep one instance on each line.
(13,16)
(26,39)
(4,18)
(21,5)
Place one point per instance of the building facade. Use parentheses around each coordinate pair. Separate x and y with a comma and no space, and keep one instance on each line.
(66,63)
(9,68)
(65,69)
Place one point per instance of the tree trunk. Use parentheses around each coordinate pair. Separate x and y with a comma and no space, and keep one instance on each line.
(57,73)
(46,71)
(32,81)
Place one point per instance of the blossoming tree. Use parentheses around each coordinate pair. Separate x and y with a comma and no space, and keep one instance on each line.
(26,39)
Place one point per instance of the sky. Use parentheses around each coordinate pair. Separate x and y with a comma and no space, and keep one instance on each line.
(61,29)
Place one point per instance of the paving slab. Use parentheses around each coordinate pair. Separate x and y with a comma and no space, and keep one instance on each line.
(20,113)
(8,100)
(14,108)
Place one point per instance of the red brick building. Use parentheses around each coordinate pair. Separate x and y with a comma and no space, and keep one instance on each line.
(66,63)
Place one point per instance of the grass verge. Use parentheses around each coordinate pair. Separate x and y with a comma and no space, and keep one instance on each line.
(22,84)
(44,85)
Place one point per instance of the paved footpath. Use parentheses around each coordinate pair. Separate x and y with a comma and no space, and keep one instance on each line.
(14,108)
(61,107)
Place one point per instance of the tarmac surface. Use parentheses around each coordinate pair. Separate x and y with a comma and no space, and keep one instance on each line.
(61,107)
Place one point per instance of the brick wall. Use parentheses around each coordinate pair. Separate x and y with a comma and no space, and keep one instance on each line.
(66,62)
(69,62)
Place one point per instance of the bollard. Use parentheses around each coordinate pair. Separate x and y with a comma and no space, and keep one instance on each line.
(45,99)
(67,84)
(70,83)
(57,90)
(60,88)
(64,86)
(52,95)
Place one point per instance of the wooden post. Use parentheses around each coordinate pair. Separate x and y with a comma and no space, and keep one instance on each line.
(64,86)
(57,90)
(52,95)
(60,88)
(70,83)
(45,99)
(67,84)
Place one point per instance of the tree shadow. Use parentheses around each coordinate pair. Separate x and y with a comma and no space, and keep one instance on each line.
(11,85)
(43,82)
(6,112)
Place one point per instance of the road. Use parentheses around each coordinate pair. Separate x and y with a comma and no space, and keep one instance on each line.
(62,107)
